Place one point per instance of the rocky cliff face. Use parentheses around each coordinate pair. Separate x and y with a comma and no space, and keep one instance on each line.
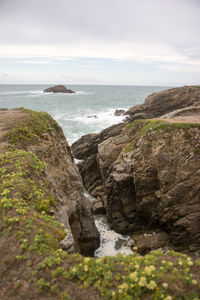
(149,171)
(154,182)
(38,133)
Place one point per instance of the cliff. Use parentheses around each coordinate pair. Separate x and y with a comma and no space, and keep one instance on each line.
(40,187)
(39,134)
(148,173)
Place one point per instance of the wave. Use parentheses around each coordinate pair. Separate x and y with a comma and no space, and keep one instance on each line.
(83,93)
(103,117)
(111,242)
(39,92)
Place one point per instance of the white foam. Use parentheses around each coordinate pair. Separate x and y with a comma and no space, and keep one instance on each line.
(39,92)
(83,93)
(105,118)
(109,240)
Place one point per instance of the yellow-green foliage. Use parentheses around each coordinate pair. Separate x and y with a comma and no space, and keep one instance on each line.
(31,128)
(25,199)
(134,277)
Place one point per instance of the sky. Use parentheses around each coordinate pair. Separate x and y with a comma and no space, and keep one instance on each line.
(126,42)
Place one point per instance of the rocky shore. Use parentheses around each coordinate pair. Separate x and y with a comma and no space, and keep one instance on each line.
(145,172)
(145,176)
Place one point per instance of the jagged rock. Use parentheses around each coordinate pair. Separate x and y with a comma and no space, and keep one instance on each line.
(58,89)
(86,148)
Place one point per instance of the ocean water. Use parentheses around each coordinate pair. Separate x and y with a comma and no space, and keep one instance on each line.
(89,110)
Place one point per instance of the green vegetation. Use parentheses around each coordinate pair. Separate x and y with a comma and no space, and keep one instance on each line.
(172,126)
(142,126)
(31,128)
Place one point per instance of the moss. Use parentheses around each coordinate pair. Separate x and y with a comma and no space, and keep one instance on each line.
(142,126)
(172,126)
(129,146)
(31,128)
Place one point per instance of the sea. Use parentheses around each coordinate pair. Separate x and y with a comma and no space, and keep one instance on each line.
(89,110)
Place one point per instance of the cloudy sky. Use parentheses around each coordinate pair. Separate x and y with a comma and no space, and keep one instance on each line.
(139,42)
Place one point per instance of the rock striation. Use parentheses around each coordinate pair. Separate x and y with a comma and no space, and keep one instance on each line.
(148,172)
(58,89)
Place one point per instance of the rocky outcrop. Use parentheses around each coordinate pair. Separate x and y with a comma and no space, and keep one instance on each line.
(38,133)
(149,171)
(164,102)
(154,182)
(86,149)
(58,89)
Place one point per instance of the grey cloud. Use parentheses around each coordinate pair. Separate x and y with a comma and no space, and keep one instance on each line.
(173,22)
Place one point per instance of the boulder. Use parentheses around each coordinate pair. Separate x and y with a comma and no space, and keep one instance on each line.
(119,112)
(58,89)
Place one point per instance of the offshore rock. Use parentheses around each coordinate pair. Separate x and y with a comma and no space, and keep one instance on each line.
(58,89)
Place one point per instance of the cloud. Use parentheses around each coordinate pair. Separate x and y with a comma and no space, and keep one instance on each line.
(159,32)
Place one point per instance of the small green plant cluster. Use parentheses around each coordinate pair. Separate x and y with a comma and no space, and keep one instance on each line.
(133,277)
(31,128)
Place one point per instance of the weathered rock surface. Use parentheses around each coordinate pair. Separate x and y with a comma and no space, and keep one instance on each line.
(154,183)
(50,146)
(145,242)
(148,172)
(58,89)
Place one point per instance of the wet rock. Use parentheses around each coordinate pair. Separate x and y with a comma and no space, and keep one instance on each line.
(93,116)
(98,207)
(119,112)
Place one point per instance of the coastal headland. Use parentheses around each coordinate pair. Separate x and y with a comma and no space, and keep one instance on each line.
(144,173)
